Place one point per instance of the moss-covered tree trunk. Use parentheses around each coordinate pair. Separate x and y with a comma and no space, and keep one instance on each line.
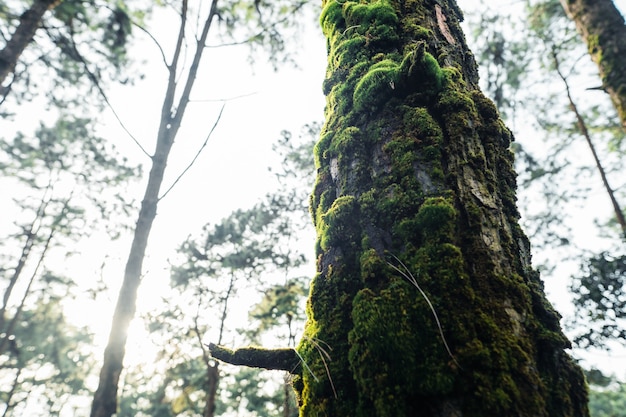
(602,28)
(416,183)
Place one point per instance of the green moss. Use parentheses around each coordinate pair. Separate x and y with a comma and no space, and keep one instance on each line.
(375,13)
(376,86)
(339,223)
(421,71)
(321,147)
(486,108)
(331,17)
(413,28)
(388,356)
(436,219)
(373,267)
(348,52)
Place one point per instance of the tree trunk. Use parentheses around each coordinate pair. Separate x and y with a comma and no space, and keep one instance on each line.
(425,301)
(23,35)
(105,398)
(602,28)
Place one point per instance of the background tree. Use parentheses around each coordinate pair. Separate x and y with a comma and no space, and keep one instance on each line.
(24,33)
(77,43)
(65,184)
(576,151)
(47,360)
(602,28)
(181,77)
(252,254)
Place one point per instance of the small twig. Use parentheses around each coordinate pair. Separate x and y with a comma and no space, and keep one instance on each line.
(193,161)
(156,42)
(96,84)
(582,126)
(409,277)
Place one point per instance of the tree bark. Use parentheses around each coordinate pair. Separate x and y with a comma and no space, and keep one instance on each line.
(425,301)
(602,28)
(23,35)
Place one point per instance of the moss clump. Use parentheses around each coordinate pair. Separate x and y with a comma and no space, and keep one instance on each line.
(331,17)
(348,52)
(340,223)
(377,21)
(421,71)
(394,365)
(376,86)
(436,219)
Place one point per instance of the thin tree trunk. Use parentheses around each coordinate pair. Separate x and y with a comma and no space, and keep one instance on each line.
(16,317)
(23,35)
(425,301)
(602,28)
(8,408)
(31,236)
(105,398)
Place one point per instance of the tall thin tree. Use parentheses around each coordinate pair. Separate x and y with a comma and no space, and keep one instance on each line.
(239,19)
(105,398)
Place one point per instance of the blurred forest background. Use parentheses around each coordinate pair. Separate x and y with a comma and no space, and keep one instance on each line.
(169,144)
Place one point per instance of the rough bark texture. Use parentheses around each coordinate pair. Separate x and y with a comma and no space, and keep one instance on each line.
(602,28)
(23,35)
(415,173)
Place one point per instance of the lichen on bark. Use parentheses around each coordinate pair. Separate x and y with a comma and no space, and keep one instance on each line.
(414,170)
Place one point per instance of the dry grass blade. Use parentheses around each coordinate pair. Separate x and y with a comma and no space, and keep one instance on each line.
(406,273)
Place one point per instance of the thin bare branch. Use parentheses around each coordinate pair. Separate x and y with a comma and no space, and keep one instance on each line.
(156,42)
(96,84)
(193,160)
(193,69)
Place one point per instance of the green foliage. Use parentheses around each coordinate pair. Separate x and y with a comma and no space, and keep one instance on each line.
(599,296)
(264,26)
(46,360)
(608,402)
(281,304)
(82,43)
(60,177)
